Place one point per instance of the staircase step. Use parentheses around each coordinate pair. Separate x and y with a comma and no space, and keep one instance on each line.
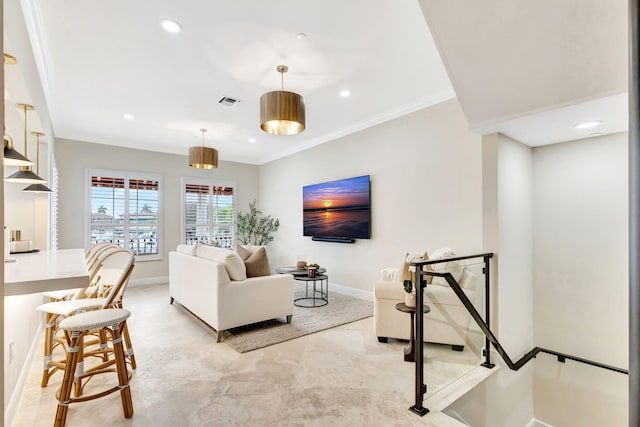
(444,397)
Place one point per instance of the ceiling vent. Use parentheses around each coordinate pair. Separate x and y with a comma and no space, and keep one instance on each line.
(228,102)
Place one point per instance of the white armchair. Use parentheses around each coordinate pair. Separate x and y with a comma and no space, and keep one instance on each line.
(448,321)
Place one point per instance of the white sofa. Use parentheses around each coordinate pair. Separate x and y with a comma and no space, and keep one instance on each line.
(204,287)
(448,321)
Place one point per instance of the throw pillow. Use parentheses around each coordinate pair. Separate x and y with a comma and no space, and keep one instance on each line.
(449,267)
(258,264)
(405,274)
(243,252)
(231,260)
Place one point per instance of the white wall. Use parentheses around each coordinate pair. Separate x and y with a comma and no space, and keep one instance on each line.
(515,247)
(506,399)
(557,218)
(425,193)
(21,324)
(74,157)
(581,279)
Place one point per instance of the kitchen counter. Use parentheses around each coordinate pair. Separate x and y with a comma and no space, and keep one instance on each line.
(45,271)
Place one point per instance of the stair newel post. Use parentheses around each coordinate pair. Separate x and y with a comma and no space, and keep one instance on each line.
(420,386)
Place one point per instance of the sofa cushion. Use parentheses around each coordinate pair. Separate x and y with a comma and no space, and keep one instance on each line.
(440,294)
(231,260)
(452,267)
(258,264)
(206,251)
(186,249)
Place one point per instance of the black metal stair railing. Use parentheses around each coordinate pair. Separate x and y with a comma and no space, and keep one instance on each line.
(484,324)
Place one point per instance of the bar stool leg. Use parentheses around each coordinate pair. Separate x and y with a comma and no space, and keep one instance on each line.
(129,346)
(121,367)
(64,397)
(111,321)
(79,367)
(48,349)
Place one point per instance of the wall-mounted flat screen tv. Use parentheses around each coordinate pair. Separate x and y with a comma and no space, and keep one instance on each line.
(338,208)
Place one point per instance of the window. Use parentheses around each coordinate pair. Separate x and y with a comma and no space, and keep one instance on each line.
(209,212)
(125,210)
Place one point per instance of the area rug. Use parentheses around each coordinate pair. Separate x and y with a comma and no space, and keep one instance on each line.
(340,310)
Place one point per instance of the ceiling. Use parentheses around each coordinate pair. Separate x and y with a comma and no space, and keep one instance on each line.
(534,69)
(95,61)
(101,60)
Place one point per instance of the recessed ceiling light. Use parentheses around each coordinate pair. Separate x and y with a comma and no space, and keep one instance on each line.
(252,140)
(596,134)
(345,93)
(587,125)
(301,36)
(129,117)
(171,26)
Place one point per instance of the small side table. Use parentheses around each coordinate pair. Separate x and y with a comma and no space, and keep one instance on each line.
(409,350)
(318,296)
(294,271)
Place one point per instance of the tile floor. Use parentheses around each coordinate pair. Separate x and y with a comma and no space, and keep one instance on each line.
(338,377)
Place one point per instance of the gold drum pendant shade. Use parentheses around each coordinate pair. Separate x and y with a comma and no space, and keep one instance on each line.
(282,112)
(203,157)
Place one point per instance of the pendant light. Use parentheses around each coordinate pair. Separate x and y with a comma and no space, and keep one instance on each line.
(25,175)
(203,157)
(282,112)
(37,188)
(11,156)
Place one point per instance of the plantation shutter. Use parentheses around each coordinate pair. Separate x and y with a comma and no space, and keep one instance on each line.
(209,212)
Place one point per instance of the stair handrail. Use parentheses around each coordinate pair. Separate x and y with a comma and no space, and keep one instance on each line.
(418,268)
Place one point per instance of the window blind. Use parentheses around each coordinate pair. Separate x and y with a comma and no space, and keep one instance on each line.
(209,214)
(125,211)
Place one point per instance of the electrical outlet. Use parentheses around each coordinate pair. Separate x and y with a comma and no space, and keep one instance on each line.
(10,351)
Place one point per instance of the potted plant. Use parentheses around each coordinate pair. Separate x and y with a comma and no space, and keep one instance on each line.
(254,228)
(410,295)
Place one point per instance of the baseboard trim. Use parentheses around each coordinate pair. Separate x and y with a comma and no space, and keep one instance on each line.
(352,292)
(12,405)
(149,281)
(537,423)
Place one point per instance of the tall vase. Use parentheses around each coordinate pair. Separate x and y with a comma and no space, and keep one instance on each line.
(410,299)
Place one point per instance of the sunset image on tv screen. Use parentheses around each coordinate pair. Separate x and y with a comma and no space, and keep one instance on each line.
(337,209)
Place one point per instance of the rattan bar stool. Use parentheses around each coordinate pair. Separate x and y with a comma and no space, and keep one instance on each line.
(111,321)
(114,273)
